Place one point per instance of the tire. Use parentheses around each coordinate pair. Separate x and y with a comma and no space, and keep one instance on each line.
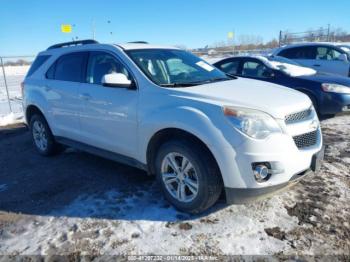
(320,116)
(201,171)
(43,139)
(314,103)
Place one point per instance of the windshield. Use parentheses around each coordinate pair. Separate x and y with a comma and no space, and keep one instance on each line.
(175,68)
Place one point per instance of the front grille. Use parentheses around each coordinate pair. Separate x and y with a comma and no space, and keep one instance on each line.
(306,140)
(299,116)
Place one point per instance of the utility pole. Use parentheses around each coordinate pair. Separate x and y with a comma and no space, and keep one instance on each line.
(6,86)
(328,32)
(280,39)
(93,28)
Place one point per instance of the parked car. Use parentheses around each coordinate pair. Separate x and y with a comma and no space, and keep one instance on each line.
(330,94)
(168,112)
(323,57)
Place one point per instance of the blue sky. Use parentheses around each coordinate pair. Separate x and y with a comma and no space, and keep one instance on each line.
(28,26)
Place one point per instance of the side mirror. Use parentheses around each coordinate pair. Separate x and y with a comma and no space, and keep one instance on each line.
(116,80)
(343,57)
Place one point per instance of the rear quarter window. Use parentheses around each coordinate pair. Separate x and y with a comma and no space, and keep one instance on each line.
(38,62)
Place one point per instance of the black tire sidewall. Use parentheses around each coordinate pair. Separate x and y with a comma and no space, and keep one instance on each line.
(198,160)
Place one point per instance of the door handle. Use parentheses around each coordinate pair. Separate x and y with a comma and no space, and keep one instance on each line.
(47,88)
(317,65)
(85,96)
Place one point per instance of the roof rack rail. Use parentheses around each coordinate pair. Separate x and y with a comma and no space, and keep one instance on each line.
(138,42)
(73,43)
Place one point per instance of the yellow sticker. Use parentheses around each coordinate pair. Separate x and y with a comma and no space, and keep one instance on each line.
(66,28)
(230,35)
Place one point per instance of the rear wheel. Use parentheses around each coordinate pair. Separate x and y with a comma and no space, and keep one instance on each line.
(188,176)
(43,139)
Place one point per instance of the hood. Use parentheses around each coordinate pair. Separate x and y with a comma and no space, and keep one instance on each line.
(275,100)
(328,78)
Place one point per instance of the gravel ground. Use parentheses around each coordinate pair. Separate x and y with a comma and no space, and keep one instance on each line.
(76,203)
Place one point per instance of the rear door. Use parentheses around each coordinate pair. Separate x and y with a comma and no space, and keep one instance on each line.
(304,55)
(255,69)
(109,117)
(64,78)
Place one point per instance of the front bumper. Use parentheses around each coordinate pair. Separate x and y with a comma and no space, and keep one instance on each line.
(246,195)
(333,103)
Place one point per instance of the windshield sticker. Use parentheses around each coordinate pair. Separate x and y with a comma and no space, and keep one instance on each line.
(205,66)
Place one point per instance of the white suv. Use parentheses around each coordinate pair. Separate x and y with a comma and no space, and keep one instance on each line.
(170,113)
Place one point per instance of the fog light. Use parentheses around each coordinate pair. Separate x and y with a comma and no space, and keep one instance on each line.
(261,173)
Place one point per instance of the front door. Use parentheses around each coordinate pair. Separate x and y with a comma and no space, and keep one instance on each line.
(327,61)
(109,118)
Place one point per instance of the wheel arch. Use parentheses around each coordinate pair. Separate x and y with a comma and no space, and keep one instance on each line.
(32,110)
(167,134)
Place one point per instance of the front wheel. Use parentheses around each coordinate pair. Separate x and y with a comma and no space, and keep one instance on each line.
(43,139)
(188,175)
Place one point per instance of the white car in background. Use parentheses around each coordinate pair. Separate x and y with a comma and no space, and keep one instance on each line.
(331,58)
(170,113)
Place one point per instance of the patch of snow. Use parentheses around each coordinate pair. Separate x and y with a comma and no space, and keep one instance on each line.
(11,119)
(292,70)
(144,224)
(16,70)
(14,77)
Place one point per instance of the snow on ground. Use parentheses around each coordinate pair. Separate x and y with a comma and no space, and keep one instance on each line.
(11,118)
(311,218)
(14,77)
(233,230)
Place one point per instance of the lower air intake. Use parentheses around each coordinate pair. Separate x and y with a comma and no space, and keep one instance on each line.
(306,140)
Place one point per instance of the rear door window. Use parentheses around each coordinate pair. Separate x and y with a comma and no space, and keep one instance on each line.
(70,67)
(230,67)
(38,62)
(254,69)
(303,52)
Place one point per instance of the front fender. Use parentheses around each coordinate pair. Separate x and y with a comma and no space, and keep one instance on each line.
(210,130)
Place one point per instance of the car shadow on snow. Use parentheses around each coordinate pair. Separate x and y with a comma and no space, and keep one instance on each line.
(77,184)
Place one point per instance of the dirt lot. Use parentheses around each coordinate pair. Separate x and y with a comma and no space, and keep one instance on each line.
(76,203)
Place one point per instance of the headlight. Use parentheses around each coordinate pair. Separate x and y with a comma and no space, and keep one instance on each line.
(335,88)
(253,123)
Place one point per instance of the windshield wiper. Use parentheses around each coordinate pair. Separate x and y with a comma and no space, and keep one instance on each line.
(220,79)
(211,80)
(196,82)
(178,84)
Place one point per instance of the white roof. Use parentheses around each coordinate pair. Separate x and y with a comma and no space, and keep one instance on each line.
(313,44)
(133,46)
